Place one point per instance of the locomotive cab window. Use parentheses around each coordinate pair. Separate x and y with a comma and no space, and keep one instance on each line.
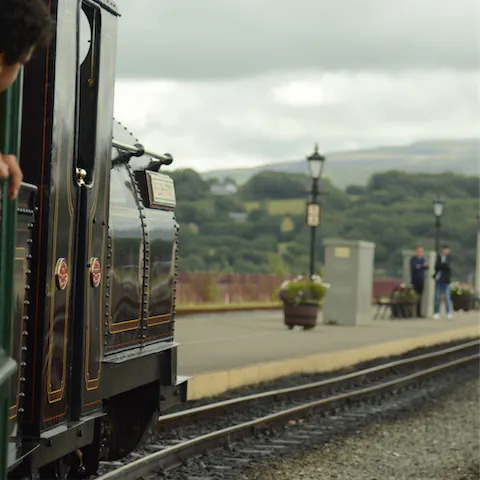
(85,37)
(89,55)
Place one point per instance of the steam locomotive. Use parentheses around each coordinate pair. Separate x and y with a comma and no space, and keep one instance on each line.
(95,263)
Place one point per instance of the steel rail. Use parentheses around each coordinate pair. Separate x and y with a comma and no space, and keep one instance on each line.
(138,149)
(176,454)
(208,409)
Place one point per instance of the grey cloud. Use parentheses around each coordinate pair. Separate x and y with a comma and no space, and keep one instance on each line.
(229,124)
(205,39)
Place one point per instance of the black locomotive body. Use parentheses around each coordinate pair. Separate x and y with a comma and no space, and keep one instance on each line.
(95,264)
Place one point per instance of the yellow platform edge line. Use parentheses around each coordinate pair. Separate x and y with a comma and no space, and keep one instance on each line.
(209,384)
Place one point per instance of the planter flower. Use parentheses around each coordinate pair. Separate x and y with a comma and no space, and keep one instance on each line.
(462,296)
(404,301)
(302,297)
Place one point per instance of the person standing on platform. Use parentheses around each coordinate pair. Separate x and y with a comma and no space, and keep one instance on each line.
(443,278)
(418,265)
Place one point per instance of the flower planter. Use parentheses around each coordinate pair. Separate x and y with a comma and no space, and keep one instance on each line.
(404,301)
(403,309)
(302,315)
(462,302)
(462,296)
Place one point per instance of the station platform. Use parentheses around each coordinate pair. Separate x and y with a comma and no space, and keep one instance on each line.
(227,351)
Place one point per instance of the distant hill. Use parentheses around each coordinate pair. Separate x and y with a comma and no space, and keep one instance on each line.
(356,167)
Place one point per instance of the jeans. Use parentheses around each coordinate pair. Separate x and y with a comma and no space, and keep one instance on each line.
(443,288)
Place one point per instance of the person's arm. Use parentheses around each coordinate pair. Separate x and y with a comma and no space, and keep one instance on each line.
(438,263)
(412,264)
(448,264)
(9,168)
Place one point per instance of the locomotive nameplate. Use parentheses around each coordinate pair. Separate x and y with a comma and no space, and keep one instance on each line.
(95,272)
(61,274)
(161,190)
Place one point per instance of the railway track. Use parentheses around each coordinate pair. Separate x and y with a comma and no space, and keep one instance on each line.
(182,434)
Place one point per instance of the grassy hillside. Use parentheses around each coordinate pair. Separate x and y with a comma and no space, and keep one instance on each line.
(393,210)
(356,167)
(290,206)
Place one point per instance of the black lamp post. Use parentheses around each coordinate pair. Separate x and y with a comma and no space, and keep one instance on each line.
(316,162)
(438,212)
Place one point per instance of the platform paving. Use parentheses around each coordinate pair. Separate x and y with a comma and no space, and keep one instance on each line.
(223,342)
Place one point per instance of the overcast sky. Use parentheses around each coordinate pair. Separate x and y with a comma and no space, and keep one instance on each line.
(233,83)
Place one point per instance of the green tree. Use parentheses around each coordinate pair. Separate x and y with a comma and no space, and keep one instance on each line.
(226,204)
(189,185)
(271,185)
(394,210)
(276,265)
(355,190)
(192,263)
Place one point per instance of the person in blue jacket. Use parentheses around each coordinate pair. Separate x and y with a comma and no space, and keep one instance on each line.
(418,266)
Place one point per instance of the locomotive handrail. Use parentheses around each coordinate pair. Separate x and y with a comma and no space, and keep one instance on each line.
(138,150)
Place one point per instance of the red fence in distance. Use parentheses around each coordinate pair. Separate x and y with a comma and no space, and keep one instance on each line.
(198,288)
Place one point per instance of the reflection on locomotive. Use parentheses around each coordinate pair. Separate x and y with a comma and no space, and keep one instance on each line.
(95,264)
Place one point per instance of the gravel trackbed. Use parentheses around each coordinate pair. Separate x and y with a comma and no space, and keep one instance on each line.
(437,442)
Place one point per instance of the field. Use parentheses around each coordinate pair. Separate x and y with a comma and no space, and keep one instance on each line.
(292,206)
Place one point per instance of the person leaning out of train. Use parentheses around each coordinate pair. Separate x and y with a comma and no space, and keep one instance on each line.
(24,25)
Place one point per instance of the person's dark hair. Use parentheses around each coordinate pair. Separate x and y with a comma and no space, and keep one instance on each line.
(444,246)
(24,24)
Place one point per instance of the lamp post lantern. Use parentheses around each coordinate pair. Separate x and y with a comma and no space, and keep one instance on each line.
(316,162)
(438,212)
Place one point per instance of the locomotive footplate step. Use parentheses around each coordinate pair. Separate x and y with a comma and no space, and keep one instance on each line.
(138,353)
(61,440)
(16,455)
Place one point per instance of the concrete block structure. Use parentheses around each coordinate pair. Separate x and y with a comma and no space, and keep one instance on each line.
(349,266)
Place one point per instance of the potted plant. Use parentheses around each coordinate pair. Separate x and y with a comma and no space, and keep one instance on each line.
(404,301)
(462,296)
(302,297)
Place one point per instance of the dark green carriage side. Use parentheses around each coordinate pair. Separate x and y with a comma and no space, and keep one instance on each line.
(10,122)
